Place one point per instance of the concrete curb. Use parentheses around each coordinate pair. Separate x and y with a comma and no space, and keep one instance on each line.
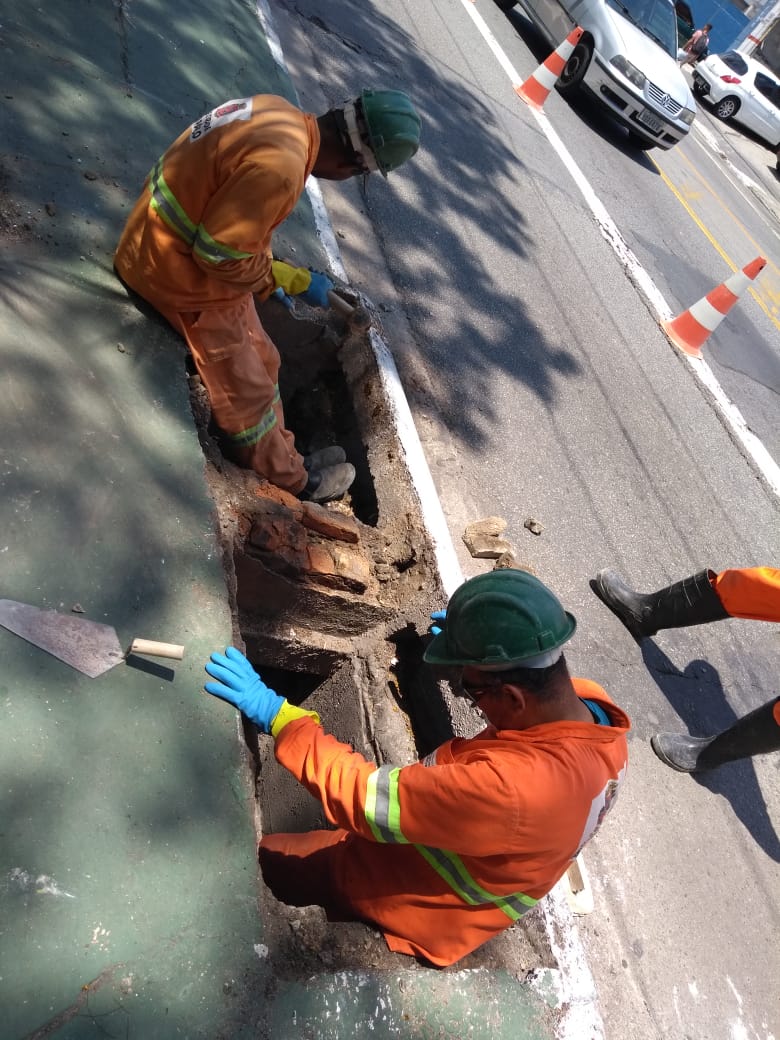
(573,983)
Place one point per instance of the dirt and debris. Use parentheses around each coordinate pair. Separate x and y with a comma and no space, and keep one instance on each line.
(332,604)
(483,538)
(533,526)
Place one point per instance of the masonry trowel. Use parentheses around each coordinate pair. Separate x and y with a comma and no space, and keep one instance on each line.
(86,645)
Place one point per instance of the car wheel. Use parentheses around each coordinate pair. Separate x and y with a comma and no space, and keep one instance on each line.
(505,5)
(727,107)
(638,141)
(575,68)
(698,89)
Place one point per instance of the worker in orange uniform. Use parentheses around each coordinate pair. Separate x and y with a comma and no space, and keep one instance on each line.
(197,246)
(748,592)
(444,854)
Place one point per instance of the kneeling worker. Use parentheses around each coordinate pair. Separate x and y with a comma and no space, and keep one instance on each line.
(444,854)
(197,247)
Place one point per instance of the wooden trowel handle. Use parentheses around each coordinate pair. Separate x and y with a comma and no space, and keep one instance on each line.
(338,303)
(152,649)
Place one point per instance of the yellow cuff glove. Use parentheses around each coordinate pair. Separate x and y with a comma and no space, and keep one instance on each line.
(289,713)
(294,280)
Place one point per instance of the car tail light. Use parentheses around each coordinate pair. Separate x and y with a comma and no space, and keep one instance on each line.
(731,79)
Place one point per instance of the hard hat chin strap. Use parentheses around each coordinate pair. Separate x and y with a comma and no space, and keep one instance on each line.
(356,138)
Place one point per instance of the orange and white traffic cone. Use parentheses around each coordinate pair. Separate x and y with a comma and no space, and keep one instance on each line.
(535,90)
(689,330)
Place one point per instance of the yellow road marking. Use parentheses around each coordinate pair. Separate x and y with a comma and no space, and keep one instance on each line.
(771,290)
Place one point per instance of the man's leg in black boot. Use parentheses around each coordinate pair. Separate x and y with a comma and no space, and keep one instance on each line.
(692,601)
(758,733)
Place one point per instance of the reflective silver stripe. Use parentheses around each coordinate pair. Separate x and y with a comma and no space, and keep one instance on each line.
(255,433)
(165,203)
(383,814)
(215,252)
(383,810)
(451,869)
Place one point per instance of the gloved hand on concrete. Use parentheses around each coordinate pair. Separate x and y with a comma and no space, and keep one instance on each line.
(437,615)
(317,293)
(239,684)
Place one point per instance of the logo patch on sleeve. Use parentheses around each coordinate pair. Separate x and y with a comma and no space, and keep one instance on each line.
(240,108)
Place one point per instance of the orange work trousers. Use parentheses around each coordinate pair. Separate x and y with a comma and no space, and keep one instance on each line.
(239,365)
(749,592)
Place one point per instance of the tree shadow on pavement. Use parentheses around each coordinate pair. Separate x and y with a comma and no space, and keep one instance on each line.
(698,697)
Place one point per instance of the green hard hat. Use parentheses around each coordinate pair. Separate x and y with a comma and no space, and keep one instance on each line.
(393,127)
(501,620)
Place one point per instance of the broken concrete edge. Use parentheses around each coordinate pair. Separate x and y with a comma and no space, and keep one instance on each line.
(275,615)
(576,994)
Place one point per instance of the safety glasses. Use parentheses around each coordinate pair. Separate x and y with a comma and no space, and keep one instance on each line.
(475,690)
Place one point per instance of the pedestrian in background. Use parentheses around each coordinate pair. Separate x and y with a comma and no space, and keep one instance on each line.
(697,47)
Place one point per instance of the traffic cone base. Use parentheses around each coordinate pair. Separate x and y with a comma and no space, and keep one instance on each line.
(689,330)
(536,89)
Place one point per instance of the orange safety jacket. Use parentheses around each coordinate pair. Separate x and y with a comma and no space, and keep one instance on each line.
(749,592)
(447,852)
(199,236)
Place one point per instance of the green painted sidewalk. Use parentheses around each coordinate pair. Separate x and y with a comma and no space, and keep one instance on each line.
(128,892)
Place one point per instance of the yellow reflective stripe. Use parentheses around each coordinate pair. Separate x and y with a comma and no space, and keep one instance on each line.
(215,252)
(255,433)
(277,395)
(383,815)
(165,203)
(383,809)
(370,806)
(451,869)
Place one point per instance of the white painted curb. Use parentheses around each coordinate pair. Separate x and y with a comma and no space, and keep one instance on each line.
(576,988)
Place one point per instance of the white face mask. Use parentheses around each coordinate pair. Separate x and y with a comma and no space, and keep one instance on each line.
(358,144)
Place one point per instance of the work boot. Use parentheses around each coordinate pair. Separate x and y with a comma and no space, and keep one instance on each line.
(330,456)
(331,482)
(692,601)
(757,733)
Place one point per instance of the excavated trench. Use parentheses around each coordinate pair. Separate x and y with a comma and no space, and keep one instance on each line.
(332,604)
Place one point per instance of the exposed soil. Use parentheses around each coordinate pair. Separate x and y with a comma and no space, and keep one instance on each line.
(354,658)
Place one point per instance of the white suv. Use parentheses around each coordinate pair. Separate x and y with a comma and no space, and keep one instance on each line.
(627,57)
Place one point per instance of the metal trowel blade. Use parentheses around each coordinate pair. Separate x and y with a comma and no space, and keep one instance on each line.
(87,646)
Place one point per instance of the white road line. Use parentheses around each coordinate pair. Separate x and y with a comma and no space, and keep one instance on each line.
(732,416)
(709,145)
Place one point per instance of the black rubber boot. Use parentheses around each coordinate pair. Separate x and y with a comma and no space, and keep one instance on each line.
(757,733)
(324,485)
(323,457)
(692,601)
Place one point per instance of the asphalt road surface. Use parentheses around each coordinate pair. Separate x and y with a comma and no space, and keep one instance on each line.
(520,265)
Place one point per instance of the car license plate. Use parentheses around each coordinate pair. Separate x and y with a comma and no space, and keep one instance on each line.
(650,121)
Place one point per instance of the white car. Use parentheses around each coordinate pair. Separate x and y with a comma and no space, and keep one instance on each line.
(742,89)
(627,58)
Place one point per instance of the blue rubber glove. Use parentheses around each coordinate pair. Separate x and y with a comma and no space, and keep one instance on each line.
(239,684)
(437,615)
(317,293)
(283,298)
